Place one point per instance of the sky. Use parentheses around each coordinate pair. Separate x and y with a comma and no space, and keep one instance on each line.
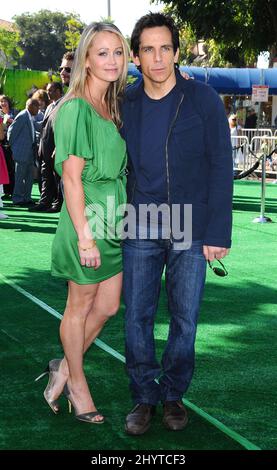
(123,12)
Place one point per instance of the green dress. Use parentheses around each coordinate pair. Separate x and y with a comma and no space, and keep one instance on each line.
(79,130)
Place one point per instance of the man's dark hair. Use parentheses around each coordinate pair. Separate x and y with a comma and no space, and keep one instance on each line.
(152,20)
(57,86)
(68,55)
(32,102)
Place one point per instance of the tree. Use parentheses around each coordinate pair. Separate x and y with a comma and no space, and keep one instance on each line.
(10,52)
(42,38)
(107,19)
(73,33)
(240,29)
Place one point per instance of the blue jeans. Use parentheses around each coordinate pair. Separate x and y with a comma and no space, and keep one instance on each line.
(143,265)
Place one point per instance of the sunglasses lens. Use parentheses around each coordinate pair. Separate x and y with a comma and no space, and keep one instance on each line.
(66,69)
(219,272)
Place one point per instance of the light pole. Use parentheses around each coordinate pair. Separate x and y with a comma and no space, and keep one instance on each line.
(109,8)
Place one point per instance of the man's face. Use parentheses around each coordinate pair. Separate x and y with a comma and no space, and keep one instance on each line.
(65,70)
(51,90)
(156,54)
(33,109)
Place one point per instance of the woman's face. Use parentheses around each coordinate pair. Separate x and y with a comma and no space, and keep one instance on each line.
(4,105)
(105,59)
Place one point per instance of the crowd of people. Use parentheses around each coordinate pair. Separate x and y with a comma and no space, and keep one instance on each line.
(169,138)
(28,141)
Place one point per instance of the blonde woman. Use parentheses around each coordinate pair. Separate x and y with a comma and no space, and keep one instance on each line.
(91,158)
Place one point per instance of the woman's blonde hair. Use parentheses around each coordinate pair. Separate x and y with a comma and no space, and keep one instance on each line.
(79,72)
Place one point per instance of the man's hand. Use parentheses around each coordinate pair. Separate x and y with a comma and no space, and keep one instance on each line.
(214,252)
(185,75)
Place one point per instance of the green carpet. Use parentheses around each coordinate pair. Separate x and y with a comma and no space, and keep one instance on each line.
(235,376)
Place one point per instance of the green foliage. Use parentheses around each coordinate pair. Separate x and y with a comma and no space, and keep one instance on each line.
(9,47)
(10,53)
(131,79)
(107,19)
(73,33)
(43,37)
(240,30)
(18,84)
(187,41)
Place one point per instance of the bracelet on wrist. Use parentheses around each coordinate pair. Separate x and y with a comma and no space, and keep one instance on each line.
(87,247)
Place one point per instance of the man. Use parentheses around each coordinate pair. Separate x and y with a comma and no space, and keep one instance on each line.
(51,195)
(66,67)
(22,139)
(179,150)
(251,119)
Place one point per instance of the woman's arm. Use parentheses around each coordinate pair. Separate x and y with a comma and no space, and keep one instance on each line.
(2,135)
(75,202)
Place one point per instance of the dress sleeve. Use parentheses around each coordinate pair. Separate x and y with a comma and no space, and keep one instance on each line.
(72,132)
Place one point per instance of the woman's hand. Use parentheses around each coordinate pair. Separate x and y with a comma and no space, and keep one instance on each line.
(89,256)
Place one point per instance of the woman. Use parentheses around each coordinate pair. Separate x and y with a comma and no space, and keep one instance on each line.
(235,132)
(43,99)
(8,114)
(4,176)
(91,158)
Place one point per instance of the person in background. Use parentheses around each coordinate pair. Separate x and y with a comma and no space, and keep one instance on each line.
(50,185)
(8,113)
(42,97)
(22,139)
(51,196)
(66,67)
(235,131)
(4,176)
(251,119)
(44,101)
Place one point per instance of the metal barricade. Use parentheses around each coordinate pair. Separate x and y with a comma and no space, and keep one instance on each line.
(250,133)
(241,155)
(266,145)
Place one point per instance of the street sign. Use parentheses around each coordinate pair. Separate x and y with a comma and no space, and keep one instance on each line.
(260,93)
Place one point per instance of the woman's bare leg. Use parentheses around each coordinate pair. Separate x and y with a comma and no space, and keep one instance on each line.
(105,304)
(72,331)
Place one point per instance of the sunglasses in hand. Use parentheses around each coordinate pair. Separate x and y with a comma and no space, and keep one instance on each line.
(222,272)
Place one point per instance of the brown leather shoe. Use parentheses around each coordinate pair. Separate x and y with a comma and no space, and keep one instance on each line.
(175,415)
(138,420)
